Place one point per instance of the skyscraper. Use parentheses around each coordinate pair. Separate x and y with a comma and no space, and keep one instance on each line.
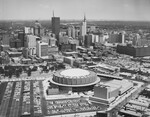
(88,41)
(83,27)
(56,26)
(71,31)
(21,37)
(38,29)
(30,43)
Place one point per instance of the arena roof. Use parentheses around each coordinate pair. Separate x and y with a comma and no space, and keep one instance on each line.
(75,72)
(75,77)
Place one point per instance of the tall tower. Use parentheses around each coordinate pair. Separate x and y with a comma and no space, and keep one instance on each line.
(56,26)
(83,27)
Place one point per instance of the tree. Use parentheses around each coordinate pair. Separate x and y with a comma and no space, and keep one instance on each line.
(29,72)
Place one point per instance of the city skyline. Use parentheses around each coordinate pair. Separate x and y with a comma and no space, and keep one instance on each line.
(126,10)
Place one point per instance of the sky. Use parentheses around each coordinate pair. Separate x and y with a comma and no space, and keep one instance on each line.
(130,10)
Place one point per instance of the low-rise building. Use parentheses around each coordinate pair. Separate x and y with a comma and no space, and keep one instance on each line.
(109,91)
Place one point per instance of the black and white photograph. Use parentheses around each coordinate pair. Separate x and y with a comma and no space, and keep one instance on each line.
(74,58)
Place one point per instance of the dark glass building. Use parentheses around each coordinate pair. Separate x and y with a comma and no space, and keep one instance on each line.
(21,37)
(88,41)
(56,26)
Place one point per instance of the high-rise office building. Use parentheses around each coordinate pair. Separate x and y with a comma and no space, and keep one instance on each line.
(38,29)
(71,31)
(21,37)
(30,43)
(88,41)
(42,49)
(122,37)
(56,26)
(52,42)
(83,27)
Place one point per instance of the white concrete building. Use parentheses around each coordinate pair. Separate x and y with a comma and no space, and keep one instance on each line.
(42,50)
(83,27)
(30,43)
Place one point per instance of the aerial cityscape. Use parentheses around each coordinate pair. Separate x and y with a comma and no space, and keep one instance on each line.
(74,58)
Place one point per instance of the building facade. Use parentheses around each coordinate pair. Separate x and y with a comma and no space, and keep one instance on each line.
(42,50)
(56,26)
(83,27)
(134,51)
(30,43)
(21,37)
(71,31)
(88,41)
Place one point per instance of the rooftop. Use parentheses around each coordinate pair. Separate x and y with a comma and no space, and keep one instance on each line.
(75,72)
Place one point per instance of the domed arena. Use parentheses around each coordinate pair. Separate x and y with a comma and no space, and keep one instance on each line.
(75,77)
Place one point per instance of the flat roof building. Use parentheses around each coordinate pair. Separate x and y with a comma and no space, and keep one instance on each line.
(109,91)
(42,49)
(56,26)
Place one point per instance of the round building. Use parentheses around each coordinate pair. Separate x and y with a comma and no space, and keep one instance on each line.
(75,78)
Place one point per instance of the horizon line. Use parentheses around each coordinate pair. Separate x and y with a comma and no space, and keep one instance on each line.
(74,20)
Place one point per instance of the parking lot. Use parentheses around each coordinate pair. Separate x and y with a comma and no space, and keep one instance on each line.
(14,108)
(6,99)
(69,106)
(25,98)
(20,98)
